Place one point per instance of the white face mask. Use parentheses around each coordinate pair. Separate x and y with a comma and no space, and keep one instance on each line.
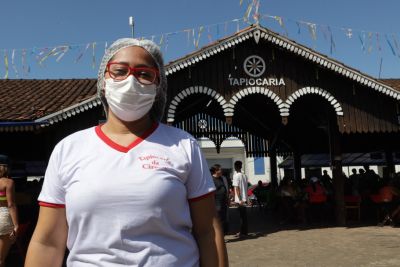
(129,100)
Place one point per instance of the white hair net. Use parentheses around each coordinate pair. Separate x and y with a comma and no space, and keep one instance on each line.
(157,111)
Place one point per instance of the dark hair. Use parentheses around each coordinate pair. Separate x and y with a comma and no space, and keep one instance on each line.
(215,168)
(238,164)
(3,170)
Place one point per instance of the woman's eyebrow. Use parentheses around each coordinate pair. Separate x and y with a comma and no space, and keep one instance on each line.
(141,65)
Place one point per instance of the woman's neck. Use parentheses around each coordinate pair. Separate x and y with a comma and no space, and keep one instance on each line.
(117,126)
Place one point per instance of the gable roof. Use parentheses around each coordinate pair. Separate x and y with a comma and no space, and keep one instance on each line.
(27,103)
(257,32)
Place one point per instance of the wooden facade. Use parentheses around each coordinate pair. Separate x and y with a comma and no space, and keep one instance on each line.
(299,101)
(318,93)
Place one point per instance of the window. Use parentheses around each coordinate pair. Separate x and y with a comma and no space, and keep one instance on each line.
(259,166)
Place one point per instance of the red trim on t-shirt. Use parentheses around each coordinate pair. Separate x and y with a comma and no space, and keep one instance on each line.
(201,197)
(51,205)
(120,148)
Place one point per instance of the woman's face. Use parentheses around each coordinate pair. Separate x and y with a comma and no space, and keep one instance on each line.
(135,57)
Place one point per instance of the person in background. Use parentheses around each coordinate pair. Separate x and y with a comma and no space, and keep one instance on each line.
(261,193)
(326,181)
(8,214)
(389,196)
(240,186)
(221,195)
(132,191)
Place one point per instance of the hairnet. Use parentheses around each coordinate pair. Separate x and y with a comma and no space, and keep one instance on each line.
(157,111)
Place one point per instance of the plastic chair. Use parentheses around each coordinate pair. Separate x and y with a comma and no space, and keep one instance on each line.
(353,203)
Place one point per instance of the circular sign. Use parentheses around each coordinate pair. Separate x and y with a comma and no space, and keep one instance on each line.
(254,66)
(202,124)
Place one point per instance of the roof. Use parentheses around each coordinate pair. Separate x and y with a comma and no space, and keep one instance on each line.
(394,83)
(257,32)
(44,101)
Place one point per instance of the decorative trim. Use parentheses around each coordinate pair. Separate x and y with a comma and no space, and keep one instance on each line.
(70,111)
(255,90)
(22,128)
(285,43)
(307,91)
(207,52)
(196,90)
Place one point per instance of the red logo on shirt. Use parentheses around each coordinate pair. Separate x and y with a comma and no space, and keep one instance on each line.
(154,162)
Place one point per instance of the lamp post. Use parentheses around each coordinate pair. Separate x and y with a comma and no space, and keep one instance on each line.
(132,24)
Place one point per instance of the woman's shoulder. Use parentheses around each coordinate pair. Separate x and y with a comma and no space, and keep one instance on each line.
(5,181)
(173,132)
(77,139)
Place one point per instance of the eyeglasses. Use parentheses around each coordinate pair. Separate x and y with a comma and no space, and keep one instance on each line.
(121,71)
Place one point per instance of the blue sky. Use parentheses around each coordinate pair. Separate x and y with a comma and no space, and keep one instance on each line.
(44,24)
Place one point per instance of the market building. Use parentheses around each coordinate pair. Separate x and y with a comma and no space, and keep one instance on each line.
(254,96)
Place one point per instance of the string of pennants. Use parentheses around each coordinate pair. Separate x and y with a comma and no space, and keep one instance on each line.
(196,36)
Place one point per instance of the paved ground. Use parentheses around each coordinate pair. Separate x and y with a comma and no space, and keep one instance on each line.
(317,245)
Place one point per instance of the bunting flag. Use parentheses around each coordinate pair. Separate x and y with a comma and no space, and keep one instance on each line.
(396,44)
(349,33)
(390,45)
(93,55)
(362,41)
(298,27)
(6,65)
(194,38)
(166,42)
(248,11)
(188,31)
(13,65)
(47,55)
(64,50)
(324,31)
(161,40)
(256,15)
(82,53)
(378,43)
(280,21)
(332,42)
(237,26)
(209,35)
(23,62)
(312,28)
(369,42)
(198,36)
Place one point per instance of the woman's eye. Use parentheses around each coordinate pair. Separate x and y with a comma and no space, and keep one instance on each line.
(119,71)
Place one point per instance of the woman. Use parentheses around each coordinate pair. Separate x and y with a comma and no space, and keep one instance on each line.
(131,192)
(8,214)
(221,195)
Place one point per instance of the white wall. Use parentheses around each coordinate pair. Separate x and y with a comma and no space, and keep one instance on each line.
(231,151)
(253,178)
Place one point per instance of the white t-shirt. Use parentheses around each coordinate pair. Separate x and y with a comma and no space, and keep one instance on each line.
(128,206)
(240,180)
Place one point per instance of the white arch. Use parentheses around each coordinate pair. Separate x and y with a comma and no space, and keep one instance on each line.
(195,90)
(312,90)
(251,91)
